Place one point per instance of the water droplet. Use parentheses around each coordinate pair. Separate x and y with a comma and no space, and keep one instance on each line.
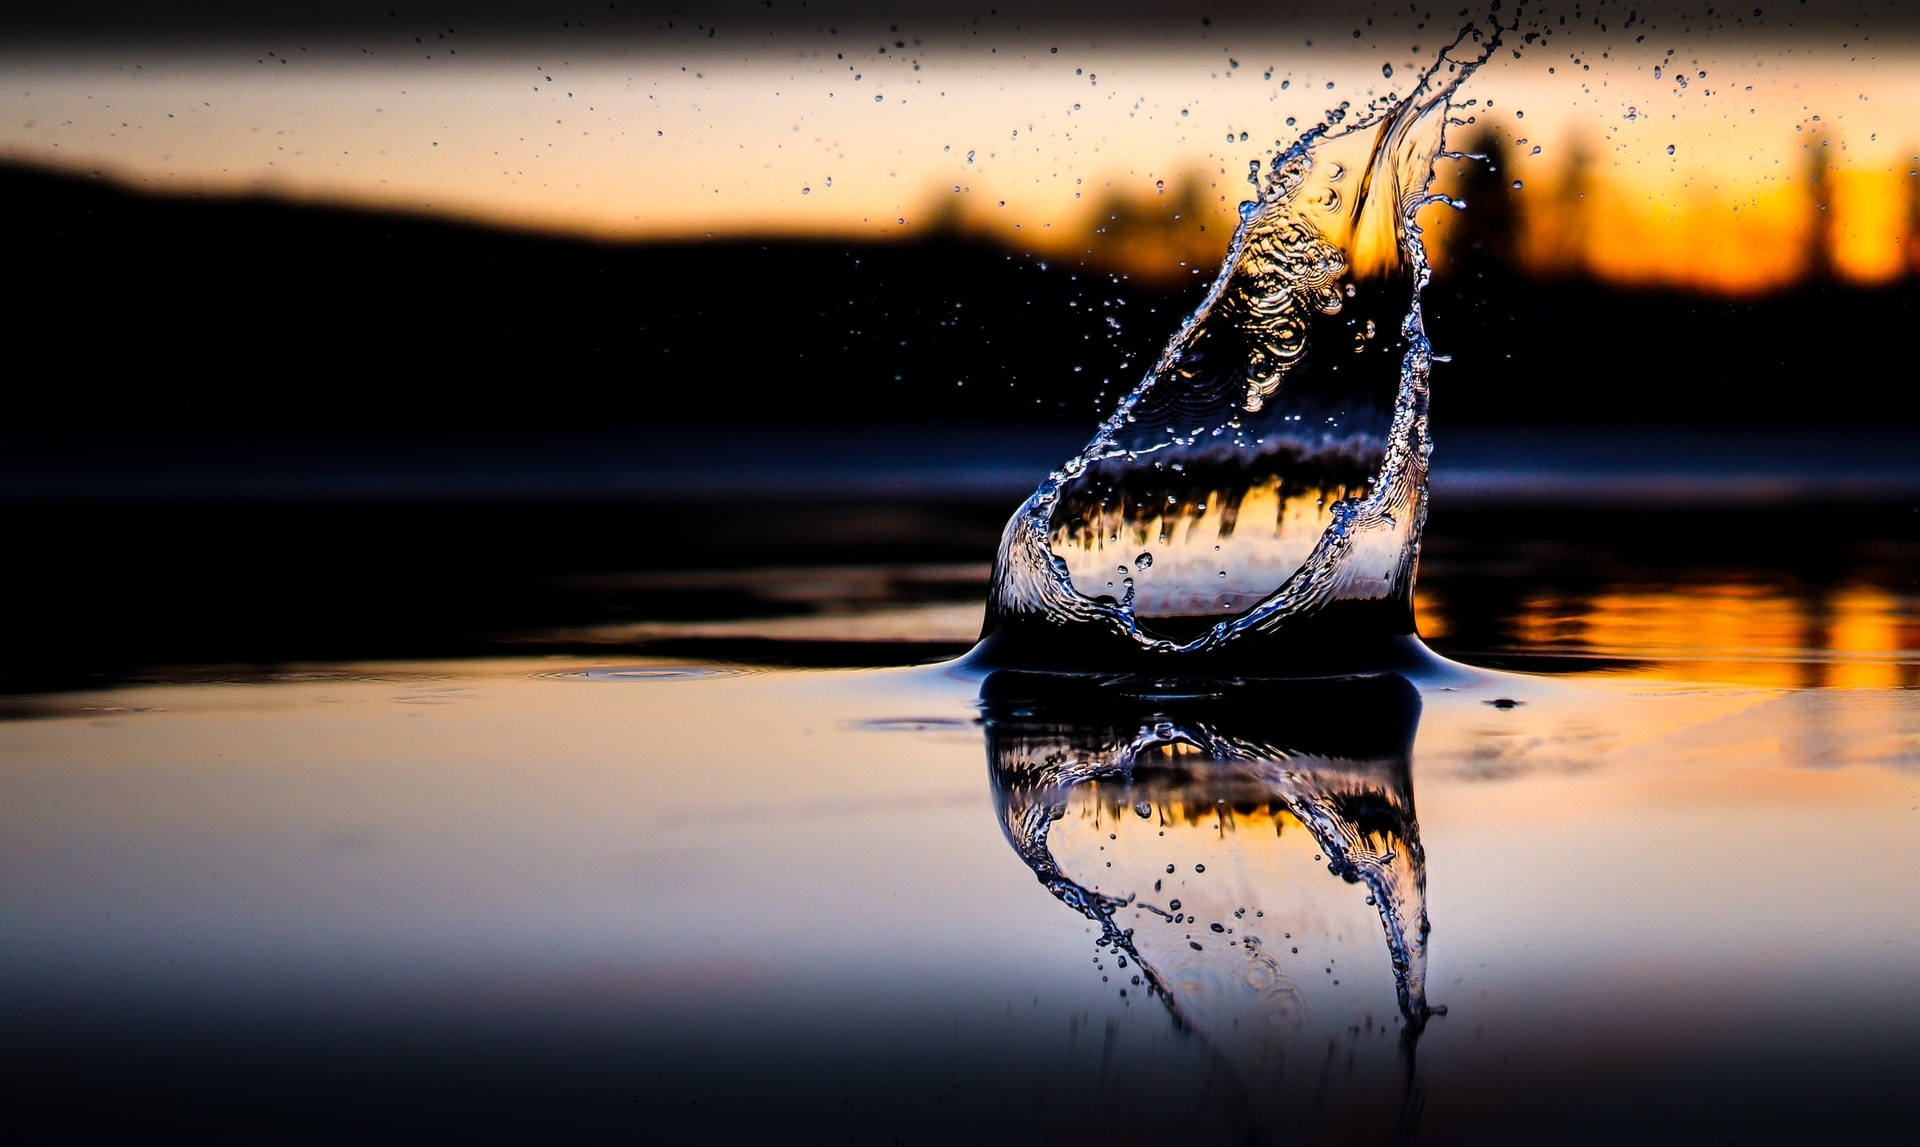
(1517,185)
(1144,561)
(1669,149)
(1386,70)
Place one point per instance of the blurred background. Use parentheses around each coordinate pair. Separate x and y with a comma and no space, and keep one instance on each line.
(375,330)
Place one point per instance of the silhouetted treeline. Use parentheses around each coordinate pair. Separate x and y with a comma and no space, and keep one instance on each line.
(147,314)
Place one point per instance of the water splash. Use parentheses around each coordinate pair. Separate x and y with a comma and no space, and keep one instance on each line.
(1332,755)
(1265,486)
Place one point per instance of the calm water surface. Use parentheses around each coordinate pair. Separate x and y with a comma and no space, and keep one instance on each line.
(702,899)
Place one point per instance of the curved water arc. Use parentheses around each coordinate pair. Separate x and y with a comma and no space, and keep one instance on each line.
(1034,587)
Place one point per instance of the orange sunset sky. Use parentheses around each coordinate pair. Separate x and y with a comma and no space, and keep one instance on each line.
(1722,157)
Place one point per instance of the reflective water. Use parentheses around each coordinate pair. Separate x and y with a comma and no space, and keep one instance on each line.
(680,898)
(1329,756)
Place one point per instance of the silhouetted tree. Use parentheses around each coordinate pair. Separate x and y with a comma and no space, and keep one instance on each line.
(1912,237)
(1567,218)
(1820,229)
(1483,241)
(1157,238)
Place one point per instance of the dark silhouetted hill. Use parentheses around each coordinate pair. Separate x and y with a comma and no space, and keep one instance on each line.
(149,313)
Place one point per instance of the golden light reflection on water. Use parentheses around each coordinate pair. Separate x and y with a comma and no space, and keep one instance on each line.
(1861,633)
(1875,637)
(1850,636)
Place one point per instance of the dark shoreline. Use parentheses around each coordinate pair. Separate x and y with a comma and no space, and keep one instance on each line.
(290,320)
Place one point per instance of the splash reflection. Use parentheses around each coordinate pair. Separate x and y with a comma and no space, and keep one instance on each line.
(1178,815)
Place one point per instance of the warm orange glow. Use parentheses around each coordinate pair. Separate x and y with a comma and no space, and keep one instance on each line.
(1610,225)
(1164,237)
(1871,632)
(1430,607)
(1772,166)
(1871,231)
(1733,632)
(1833,219)
(1191,806)
(1727,632)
